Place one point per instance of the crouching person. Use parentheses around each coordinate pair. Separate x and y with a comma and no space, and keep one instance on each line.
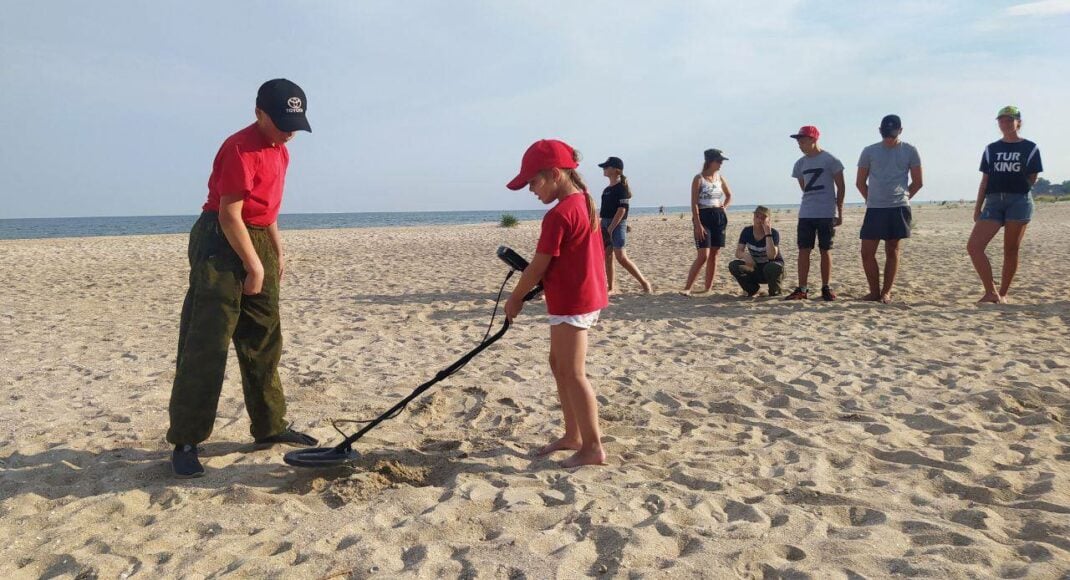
(758,260)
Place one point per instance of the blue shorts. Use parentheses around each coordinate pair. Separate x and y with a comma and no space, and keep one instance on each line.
(1008,207)
(713,220)
(886,223)
(618,237)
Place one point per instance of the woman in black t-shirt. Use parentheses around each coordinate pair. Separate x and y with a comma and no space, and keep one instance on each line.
(614,213)
(1009,167)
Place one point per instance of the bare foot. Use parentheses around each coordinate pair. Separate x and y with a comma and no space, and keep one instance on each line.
(647,288)
(613,292)
(559,445)
(886,298)
(685,292)
(989,299)
(872,297)
(595,456)
(1003,299)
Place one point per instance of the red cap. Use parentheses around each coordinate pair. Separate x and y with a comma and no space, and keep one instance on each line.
(807,131)
(544,154)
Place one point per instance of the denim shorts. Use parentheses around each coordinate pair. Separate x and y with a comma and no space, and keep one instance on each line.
(618,236)
(1008,207)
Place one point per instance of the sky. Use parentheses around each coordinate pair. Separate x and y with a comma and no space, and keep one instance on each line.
(118,107)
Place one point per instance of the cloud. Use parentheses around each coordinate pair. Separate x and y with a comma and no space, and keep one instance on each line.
(1041,8)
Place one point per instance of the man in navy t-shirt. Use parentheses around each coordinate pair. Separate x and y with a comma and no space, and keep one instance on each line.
(758,256)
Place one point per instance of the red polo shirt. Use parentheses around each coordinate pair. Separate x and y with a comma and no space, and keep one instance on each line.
(249,165)
(575,281)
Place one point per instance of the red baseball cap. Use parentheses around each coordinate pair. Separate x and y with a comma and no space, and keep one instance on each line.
(543,154)
(807,131)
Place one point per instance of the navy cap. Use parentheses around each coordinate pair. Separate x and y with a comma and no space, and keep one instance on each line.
(285,103)
(614,162)
(891,122)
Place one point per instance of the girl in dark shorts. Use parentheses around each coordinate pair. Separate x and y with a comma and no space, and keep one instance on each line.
(710,198)
(1009,169)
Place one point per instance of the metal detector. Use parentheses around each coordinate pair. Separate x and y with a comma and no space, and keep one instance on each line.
(344,453)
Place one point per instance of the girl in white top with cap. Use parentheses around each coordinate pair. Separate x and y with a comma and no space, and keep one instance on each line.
(710,197)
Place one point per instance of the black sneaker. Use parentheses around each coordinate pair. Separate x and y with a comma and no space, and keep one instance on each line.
(827,294)
(798,294)
(184,462)
(288,437)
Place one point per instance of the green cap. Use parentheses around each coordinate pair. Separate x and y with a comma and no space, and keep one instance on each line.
(1010,111)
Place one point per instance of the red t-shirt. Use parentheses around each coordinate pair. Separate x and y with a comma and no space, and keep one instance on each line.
(249,165)
(575,281)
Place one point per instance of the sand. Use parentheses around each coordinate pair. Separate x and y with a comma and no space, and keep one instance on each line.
(747,438)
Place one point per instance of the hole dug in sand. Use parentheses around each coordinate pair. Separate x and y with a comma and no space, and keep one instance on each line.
(370,477)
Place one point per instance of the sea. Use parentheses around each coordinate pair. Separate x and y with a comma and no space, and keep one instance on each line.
(76,227)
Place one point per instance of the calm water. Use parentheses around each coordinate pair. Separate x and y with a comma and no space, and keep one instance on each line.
(30,228)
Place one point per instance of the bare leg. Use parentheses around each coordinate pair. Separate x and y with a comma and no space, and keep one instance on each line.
(609,272)
(982,234)
(804,267)
(1012,242)
(872,269)
(571,343)
(711,268)
(696,267)
(892,250)
(571,439)
(631,268)
(826,267)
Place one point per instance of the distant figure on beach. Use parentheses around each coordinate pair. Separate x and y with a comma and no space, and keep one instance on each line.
(758,255)
(570,263)
(616,200)
(661,210)
(820,177)
(710,198)
(236,264)
(1009,168)
(889,176)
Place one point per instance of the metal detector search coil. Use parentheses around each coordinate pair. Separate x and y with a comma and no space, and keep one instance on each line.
(343,453)
(518,264)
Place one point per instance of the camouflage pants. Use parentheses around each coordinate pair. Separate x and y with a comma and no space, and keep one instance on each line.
(214,314)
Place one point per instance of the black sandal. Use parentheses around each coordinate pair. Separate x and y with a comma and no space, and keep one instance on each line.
(289,437)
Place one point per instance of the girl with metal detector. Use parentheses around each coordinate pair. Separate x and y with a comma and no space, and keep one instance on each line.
(569,261)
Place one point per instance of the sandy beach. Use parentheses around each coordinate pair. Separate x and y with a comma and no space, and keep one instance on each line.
(747,438)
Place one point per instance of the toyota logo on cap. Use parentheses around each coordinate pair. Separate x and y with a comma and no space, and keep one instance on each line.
(294,103)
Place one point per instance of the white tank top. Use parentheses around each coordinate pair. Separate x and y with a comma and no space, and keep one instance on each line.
(710,193)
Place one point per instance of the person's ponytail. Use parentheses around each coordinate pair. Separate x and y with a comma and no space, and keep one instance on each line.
(627,189)
(577,181)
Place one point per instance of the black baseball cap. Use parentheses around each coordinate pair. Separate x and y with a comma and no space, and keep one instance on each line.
(285,103)
(891,123)
(714,155)
(613,162)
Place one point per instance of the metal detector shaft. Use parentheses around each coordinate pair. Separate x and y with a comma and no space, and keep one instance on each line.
(348,442)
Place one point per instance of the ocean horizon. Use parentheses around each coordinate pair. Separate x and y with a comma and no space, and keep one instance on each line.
(79,227)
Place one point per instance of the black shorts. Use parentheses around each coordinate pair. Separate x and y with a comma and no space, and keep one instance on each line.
(823,229)
(886,223)
(714,221)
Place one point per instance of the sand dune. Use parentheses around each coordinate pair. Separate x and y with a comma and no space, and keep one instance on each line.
(748,438)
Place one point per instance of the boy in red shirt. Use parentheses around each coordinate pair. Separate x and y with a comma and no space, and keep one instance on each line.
(236,262)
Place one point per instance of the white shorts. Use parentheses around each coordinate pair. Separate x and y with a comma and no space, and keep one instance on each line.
(581,321)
